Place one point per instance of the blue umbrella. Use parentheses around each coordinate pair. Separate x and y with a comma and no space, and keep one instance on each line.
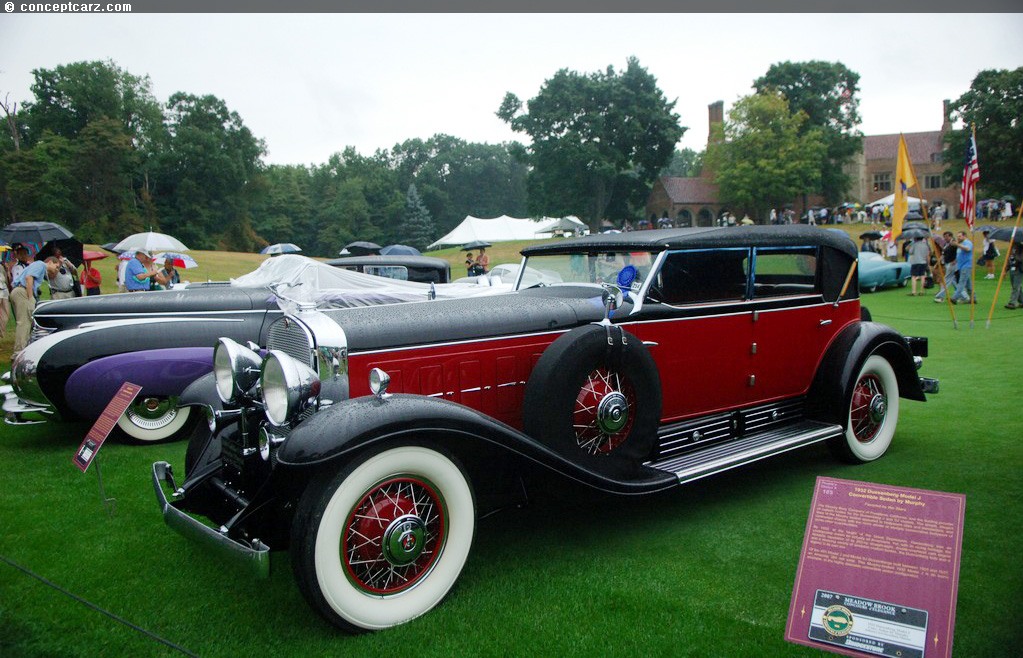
(400,250)
(280,248)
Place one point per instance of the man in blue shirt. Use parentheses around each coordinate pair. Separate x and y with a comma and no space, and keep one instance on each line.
(24,301)
(137,274)
(964,266)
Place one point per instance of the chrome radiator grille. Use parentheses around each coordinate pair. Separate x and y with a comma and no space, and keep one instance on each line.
(292,338)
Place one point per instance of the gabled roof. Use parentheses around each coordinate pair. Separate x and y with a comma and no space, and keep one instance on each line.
(690,190)
(886,147)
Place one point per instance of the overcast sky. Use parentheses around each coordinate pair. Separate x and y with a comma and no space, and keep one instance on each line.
(312,84)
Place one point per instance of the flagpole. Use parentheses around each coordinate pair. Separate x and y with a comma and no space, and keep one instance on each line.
(1005,264)
(973,231)
(948,294)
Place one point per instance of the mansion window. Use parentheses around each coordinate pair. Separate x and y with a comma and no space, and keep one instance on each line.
(883,182)
(932,182)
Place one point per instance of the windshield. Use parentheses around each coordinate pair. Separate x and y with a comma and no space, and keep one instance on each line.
(627,270)
(297,279)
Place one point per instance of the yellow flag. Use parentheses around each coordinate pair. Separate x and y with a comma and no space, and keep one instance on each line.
(904,179)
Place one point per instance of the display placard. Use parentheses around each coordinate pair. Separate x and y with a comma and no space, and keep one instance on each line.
(879,570)
(101,429)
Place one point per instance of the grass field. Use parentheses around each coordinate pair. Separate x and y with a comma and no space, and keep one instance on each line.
(706,570)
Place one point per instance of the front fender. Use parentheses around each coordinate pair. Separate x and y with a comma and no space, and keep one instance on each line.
(832,385)
(354,425)
(160,373)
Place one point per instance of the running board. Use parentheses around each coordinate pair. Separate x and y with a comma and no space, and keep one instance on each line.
(724,456)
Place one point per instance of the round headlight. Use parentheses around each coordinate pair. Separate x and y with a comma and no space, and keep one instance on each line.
(288,387)
(235,368)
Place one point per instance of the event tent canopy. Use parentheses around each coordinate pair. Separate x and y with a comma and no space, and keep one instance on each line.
(914,202)
(503,228)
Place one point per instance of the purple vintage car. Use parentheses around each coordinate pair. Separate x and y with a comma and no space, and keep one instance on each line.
(85,348)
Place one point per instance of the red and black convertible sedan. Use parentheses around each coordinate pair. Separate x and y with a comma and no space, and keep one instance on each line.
(369,440)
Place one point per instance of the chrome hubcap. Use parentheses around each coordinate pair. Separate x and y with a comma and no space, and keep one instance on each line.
(878,408)
(612,412)
(152,413)
(403,541)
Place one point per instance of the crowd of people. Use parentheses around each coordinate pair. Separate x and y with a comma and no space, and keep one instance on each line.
(22,278)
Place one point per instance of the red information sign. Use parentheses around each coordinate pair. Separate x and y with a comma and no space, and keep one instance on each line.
(104,425)
(879,571)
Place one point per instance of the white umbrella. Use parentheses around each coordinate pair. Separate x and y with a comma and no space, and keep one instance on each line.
(150,241)
(280,248)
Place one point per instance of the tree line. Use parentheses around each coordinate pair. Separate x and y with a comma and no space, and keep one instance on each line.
(94,150)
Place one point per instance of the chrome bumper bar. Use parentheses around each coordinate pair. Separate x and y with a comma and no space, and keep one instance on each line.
(254,556)
(15,409)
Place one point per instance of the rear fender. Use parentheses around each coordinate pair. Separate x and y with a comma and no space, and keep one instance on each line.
(160,373)
(829,395)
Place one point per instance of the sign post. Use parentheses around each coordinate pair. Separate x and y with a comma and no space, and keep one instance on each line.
(88,450)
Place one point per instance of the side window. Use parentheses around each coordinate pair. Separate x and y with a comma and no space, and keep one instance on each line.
(692,277)
(782,272)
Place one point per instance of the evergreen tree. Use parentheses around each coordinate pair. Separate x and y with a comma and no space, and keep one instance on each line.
(416,225)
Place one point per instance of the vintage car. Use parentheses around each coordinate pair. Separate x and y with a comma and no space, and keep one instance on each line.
(85,348)
(876,271)
(424,269)
(369,440)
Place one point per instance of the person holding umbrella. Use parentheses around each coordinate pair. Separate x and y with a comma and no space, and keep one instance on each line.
(91,279)
(482,261)
(138,273)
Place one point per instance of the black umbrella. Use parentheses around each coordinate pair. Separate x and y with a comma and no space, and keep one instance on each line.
(870,235)
(1008,197)
(110,247)
(37,232)
(362,248)
(912,214)
(475,244)
(1005,234)
(913,233)
(70,247)
(400,250)
(917,225)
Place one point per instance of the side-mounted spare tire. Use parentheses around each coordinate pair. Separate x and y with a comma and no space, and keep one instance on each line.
(595,394)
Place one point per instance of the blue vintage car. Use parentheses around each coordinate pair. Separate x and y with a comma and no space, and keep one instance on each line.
(878,272)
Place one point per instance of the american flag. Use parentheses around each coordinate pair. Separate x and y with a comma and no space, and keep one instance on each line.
(971,174)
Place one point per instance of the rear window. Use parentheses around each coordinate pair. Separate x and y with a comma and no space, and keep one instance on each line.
(787,271)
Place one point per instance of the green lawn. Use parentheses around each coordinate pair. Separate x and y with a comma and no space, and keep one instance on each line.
(706,570)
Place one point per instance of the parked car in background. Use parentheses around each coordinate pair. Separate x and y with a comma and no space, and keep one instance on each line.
(85,348)
(875,271)
(424,269)
(367,441)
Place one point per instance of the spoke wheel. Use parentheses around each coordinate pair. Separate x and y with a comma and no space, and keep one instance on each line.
(383,541)
(603,415)
(151,419)
(393,535)
(873,411)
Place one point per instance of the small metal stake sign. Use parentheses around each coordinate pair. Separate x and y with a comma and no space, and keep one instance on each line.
(93,441)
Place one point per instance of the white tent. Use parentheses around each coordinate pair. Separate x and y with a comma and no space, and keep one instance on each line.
(500,229)
(914,203)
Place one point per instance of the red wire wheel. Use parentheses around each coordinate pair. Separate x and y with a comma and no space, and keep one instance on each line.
(604,412)
(393,535)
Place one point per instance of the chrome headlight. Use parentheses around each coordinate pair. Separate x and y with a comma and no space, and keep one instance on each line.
(289,387)
(235,368)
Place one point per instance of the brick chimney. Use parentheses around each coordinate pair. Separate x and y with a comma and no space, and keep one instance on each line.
(715,115)
(946,123)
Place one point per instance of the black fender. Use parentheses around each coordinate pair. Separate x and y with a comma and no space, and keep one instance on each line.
(353,426)
(201,392)
(831,390)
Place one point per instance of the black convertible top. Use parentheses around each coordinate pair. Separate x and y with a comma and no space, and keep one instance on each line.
(708,237)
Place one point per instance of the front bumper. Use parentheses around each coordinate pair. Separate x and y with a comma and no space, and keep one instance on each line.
(20,412)
(255,556)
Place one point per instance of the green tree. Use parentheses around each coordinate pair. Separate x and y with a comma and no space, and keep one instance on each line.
(994,106)
(104,160)
(207,173)
(285,212)
(417,228)
(764,161)
(826,93)
(684,163)
(455,178)
(598,141)
(39,182)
